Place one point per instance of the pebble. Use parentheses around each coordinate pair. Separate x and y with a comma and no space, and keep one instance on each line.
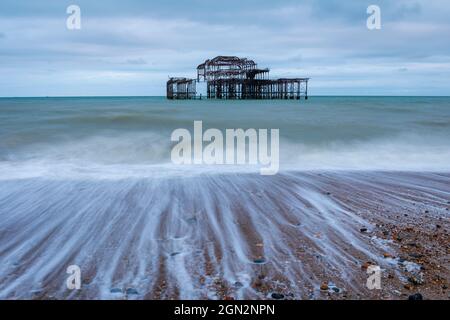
(259,261)
(277,296)
(416,296)
(132,291)
(238,284)
(415,281)
(324,286)
(336,289)
(116,290)
(387,255)
(366,265)
(363,229)
(416,255)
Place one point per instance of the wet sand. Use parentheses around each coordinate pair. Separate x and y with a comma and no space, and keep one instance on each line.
(297,235)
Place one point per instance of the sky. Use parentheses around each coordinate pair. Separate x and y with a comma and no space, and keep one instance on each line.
(127,48)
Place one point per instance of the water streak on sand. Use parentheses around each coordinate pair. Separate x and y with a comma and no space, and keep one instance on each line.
(200,237)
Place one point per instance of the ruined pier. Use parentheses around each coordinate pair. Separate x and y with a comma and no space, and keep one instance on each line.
(237,78)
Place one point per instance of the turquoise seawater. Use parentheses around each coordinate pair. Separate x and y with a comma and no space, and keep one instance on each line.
(110,135)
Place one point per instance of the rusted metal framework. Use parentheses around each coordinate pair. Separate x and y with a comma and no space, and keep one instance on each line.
(181,88)
(239,78)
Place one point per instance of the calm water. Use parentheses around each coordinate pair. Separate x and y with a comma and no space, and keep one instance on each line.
(127,136)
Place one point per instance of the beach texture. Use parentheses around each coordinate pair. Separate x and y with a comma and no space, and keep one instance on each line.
(363,182)
(293,236)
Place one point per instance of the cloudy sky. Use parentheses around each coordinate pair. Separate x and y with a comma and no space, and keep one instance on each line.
(131,47)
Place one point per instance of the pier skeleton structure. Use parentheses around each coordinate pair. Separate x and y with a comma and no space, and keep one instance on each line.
(229,77)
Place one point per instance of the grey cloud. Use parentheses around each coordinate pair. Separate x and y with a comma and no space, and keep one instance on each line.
(139,61)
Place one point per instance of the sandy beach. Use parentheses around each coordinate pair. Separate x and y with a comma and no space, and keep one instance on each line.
(297,235)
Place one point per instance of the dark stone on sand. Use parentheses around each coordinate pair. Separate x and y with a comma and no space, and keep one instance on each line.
(277,296)
(363,229)
(426,211)
(259,261)
(116,290)
(416,255)
(438,226)
(336,289)
(238,285)
(173,254)
(416,296)
(131,291)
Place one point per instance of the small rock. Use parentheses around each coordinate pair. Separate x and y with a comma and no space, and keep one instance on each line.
(131,291)
(173,254)
(366,265)
(387,255)
(426,211)
(259,261)
(324,286)
(438,226)
(416,296)
(116,290)
(415,281)
(363,229)
(238,285)
(192,220)
(277,296)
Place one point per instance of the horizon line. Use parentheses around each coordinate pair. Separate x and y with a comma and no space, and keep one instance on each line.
(163,96)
